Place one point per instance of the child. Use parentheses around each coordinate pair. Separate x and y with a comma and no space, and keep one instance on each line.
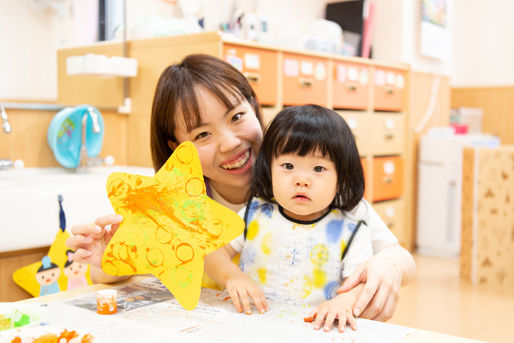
(300,240)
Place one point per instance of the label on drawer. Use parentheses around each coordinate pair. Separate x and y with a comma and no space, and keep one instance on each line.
(364,76)
(391,79)
(291,67)
(307,68)
(235,62)
(380,78)
(341,73)
(352,123)
(389,168)
(389,211)
(252,61)
(320,73)
(389,124)
(400,81)
(353,74)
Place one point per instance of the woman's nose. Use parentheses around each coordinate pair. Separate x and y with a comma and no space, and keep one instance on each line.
(229,141)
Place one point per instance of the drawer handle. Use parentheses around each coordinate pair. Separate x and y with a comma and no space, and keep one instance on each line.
(388,179)
(305,82)
(390,225)
(351,88)
(389,90)
(252,77)
(389,136)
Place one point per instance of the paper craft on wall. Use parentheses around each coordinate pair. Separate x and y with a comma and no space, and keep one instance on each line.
(169,225)
(56,271)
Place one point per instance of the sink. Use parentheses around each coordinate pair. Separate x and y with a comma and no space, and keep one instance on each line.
(29,209)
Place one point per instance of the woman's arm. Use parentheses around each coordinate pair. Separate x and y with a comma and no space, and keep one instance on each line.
(383,275)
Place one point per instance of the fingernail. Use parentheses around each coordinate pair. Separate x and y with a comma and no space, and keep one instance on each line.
(120,217)
(97,229)
(316,327)
(357,311)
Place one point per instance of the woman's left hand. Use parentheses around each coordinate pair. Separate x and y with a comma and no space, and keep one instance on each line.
(382,277)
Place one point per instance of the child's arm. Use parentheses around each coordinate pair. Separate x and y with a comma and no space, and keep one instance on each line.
(240,287)
(340,308)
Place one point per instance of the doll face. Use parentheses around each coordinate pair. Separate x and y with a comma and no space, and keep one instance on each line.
(47,277)
(304,185)
(75,269)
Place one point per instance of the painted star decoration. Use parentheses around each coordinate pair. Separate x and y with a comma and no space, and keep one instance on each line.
(169,225)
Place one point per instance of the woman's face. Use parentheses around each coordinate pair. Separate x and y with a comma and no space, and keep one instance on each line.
(227,142)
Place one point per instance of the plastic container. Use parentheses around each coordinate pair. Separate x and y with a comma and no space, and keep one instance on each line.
(64,135)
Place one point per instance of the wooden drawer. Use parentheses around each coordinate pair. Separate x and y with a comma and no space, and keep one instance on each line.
(260,66)
(387,134)
(360,125)
(389,85)
(268,113)
(366,170)
(304,80)
(391,213)
(387,177)
(351,85)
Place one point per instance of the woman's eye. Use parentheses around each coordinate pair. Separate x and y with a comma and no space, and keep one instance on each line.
(319,169)
(237,116)
(201,135)
(288,166)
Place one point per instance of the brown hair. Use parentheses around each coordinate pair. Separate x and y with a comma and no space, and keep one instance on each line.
(177,91)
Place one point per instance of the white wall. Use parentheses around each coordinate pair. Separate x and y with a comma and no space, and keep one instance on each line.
(483,48)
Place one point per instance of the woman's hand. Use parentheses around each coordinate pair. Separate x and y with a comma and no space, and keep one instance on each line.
(383,275)
(241,288)
(90,240)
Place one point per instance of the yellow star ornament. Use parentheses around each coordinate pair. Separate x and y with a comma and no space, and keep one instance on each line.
(169,225)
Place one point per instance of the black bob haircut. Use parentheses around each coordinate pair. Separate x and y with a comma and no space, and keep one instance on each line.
(306,129)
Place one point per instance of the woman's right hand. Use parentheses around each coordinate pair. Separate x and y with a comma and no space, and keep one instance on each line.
(90,240)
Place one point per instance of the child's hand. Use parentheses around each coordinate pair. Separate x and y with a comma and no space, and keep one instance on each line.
(240,287)
(90,240)
(340,308)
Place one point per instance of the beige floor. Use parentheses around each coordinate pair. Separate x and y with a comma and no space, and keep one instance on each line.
(440,301)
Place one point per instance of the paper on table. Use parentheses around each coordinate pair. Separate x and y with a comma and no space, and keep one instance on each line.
(213,320)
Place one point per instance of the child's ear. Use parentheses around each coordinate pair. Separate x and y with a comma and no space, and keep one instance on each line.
(173,145)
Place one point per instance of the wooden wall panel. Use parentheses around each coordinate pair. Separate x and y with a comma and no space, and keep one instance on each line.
(420,90)
(497,104)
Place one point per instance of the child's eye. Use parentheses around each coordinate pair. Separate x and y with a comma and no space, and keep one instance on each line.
(288,166)
(237,116)
(319,169)
(202,135)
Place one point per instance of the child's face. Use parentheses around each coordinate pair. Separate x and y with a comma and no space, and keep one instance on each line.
(227,142)
(303,185)
(47,277)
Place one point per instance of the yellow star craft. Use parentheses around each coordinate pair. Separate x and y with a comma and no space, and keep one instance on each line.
(169,225)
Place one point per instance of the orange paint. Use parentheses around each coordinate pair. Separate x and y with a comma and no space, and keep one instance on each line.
(309,319)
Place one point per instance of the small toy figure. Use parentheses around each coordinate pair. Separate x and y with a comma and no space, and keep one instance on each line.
(75,272)
(47,276)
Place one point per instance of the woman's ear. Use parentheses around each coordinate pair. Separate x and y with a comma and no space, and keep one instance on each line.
(173,145)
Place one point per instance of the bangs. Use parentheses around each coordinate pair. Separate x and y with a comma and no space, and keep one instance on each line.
(189,101)
(302,138)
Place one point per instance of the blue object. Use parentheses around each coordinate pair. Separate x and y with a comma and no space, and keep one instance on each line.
(65,135)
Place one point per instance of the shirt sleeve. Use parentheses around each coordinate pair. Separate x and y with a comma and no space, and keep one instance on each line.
(360,251)
(237,243)
(381,236)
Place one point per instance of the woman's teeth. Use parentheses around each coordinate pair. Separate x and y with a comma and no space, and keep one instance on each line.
(241,161)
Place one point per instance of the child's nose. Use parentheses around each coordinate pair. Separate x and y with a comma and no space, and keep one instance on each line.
(302,181)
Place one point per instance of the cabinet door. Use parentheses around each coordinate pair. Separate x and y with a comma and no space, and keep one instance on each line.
(360,125)
(387,136)
(351,85)
(260,66)
(391,213)
(389,86)
(304,80)
(387,177)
